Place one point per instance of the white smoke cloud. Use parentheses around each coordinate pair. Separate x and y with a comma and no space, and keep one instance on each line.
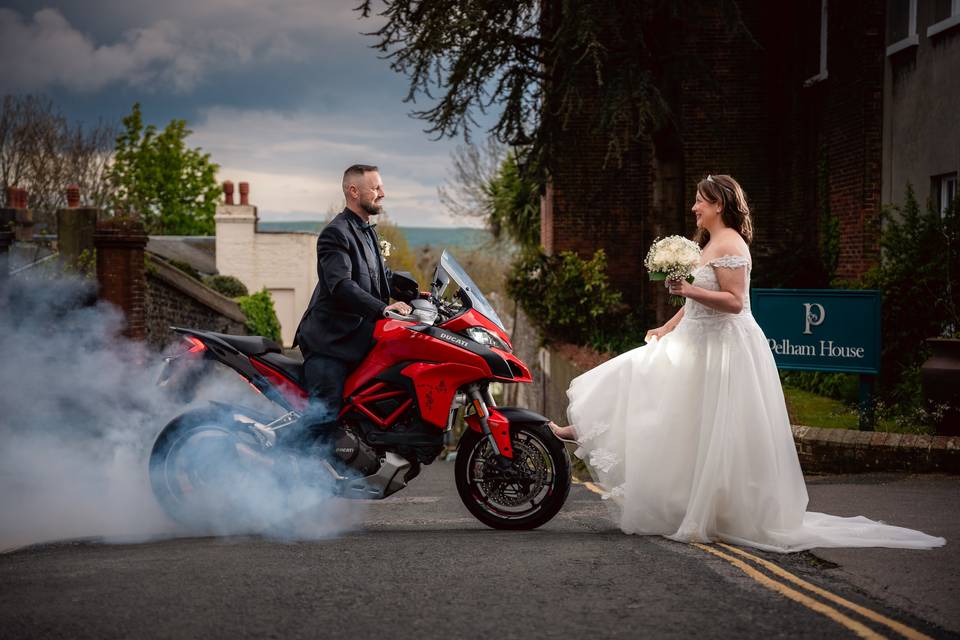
(79,412)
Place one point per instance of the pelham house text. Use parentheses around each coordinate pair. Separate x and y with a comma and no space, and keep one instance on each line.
(826,348)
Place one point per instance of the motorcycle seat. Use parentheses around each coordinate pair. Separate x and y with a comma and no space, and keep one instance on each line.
(250,345)
(291,368)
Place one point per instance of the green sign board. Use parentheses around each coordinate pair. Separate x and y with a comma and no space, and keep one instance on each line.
(821,329)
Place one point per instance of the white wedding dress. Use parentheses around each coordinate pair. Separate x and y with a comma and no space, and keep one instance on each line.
(689,438)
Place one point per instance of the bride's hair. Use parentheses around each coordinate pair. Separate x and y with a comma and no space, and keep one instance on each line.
(735,212)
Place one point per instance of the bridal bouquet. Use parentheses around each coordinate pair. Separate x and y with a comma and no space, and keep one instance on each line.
(672,258)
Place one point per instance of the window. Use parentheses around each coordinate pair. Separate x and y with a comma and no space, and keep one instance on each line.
(821,31)
(901,25)
(946,14)
(944,191)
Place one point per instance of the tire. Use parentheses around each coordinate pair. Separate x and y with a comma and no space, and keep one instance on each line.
(187,465)
(545,471)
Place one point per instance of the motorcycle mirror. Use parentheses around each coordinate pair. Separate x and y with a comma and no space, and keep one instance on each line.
(404,287)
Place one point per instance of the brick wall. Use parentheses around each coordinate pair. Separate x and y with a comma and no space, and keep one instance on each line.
(853,122)
(173,299)
(741,108)
(597,203)
(120,270)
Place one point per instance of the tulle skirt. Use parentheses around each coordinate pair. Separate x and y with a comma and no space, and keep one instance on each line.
(689,438)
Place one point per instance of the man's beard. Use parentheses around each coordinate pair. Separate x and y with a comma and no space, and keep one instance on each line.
(371,208)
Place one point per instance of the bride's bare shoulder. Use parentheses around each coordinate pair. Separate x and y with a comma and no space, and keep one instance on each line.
(726,244)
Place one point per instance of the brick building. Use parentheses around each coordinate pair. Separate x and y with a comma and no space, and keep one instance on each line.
(793,111)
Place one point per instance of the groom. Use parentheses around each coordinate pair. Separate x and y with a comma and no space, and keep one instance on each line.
(352,293)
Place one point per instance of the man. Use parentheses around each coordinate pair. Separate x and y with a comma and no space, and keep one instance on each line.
(353,291)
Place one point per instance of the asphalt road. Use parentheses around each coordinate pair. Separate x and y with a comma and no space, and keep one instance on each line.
(418,565)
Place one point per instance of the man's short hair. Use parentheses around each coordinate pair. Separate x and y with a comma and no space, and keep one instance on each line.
(355,170)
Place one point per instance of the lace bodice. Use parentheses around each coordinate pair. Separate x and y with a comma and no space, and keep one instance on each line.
(705,276)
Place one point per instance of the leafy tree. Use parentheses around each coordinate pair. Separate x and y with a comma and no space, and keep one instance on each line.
(466,192)
(541,62)
(402,257)
(172,187)
(515,204)
(487,182)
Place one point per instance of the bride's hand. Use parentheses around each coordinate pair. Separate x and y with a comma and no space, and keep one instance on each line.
(657,333)
(679,287)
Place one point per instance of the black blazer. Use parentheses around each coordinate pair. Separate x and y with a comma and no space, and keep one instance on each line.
(339,320)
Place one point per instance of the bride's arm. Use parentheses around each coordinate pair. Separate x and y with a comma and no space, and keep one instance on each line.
(730,298)
(667,327)
(672,323)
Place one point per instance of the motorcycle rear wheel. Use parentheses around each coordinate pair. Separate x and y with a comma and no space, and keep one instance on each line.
(525,496)
(193,466)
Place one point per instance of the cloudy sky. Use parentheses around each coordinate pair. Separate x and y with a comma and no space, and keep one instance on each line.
(282,93)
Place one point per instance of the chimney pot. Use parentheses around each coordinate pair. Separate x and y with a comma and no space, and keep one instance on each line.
(228,192)
(245,193)
(73,196)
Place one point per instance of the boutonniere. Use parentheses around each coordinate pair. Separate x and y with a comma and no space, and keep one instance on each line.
(385,247)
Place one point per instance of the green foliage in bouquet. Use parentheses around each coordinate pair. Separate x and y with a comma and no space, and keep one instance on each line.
(226,285)
(568,298)
(261,317)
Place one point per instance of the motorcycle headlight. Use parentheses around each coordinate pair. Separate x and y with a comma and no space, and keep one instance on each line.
(485,337)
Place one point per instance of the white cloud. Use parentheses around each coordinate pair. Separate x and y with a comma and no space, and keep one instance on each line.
(294,162)
(47,52)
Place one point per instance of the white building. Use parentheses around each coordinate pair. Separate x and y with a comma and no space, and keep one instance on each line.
(283,262)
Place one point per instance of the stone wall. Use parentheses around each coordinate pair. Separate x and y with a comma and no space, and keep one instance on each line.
(175,299)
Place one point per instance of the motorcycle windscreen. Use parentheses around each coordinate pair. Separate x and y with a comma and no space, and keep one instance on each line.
(450,270)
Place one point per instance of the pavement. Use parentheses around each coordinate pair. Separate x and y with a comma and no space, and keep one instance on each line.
(418,565)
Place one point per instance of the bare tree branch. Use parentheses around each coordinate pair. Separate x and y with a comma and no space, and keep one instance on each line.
(42,152)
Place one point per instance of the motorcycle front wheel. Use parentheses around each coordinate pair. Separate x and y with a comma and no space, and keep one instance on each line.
(523,495)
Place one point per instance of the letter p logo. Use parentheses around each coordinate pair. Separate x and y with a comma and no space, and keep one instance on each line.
(812,319)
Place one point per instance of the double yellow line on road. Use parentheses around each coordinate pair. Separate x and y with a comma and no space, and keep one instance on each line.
(822,608)
(857,627)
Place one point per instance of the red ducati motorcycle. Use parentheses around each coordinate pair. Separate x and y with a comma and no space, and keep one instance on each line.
(423,372)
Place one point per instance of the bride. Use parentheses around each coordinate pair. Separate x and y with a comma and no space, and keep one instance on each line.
(689,435)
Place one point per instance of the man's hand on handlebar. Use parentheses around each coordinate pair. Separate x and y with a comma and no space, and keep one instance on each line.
(401,308)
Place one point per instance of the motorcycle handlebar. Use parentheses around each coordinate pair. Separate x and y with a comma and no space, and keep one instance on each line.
(393,315)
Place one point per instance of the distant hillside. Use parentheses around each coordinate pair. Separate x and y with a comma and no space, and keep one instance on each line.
(463,237)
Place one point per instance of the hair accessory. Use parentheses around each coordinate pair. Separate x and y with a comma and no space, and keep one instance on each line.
(710,179)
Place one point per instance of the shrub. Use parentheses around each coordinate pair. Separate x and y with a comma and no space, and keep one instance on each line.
(917,275)
(261,318)
(185,267)
(568,298)
(226,285)
(839,386)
